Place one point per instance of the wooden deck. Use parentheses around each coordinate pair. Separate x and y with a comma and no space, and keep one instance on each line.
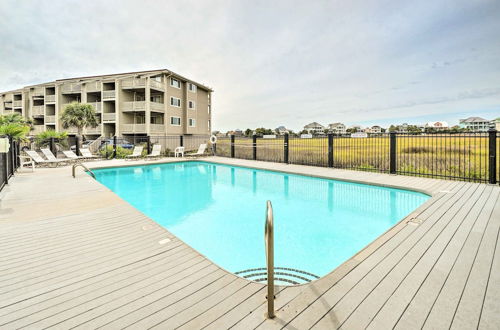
(73,254)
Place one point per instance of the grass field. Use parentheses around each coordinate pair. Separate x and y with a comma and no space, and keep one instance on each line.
(459,156)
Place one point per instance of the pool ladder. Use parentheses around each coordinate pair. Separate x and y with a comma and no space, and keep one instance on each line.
(269,241)
(73,169)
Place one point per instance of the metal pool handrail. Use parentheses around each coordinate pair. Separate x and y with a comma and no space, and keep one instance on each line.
(269,241)
(85,167)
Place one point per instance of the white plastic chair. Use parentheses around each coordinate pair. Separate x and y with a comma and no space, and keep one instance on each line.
(39,160)
(155,152)
(200,152)
(86,153)
(137,152)
(179,152)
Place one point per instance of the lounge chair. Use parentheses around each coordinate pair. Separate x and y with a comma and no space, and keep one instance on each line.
(39,160)
(136,153)
(200,152)
(50,156)
(26,160)
(87,154)
(179,152)
(155,153)
(71,155)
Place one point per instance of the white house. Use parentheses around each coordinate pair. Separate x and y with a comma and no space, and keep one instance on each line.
(476,124)
(437,125)
(315,128)
(337,128)
(374,129)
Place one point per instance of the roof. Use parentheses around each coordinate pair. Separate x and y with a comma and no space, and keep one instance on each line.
(314,124)
(126,74)
(336,124)
(474,120)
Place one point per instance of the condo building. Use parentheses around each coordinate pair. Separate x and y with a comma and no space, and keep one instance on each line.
(147,103)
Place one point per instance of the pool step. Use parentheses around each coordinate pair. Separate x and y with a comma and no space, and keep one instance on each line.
(281,274)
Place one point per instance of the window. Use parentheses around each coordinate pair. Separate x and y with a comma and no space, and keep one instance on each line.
(175,83)
(157,78)
(175,101)
(192,87)
(156,98)
(192,122)
(192,105)
(175,121)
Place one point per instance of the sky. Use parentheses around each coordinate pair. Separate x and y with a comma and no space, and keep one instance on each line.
(275,63)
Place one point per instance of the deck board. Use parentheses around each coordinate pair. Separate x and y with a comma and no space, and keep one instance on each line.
(98,263)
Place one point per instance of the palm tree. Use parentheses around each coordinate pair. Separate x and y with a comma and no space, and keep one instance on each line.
(80,116)
(14,130)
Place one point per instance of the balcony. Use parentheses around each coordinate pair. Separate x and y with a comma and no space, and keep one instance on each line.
(156,85)
(157,107)
(50,99)
(18,104)
(134,83)
(134,106)
(38,111)
(37,129)
(50,119)
(133,128)
(97,106)
(157,128)
(90,130)
(38,91)
(71,88)
(94,86)
(108,95)
(110,116)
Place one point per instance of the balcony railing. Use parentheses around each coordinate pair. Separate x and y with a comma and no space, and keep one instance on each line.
(71,88)
(133,128)
(37,129)
(38,92)
(50,119)
(110,116)
(38,110)
(158,107)
(108,95)
(90,130)
(157,128)
(18,104)
(50,98)
(94,86)
(97,106)
(134,106)
(156,84)
(134,83)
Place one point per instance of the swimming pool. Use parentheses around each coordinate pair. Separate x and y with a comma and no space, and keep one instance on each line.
(219,210)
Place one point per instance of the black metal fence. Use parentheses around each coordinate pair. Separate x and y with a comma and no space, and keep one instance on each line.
(9,162)
(470,156)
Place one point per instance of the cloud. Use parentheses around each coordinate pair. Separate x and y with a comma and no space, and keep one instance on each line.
(272,63)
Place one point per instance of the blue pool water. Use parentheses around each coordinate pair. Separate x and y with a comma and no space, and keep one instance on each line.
(220,211)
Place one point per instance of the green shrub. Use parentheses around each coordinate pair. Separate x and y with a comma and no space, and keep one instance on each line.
(43,139)
(107,152)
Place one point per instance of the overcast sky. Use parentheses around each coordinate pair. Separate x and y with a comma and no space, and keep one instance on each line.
(275,62)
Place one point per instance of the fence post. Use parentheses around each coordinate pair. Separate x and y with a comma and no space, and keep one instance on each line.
(330,150)
(114,146)
(232,145)
(392,152)
(254,146)
(148,144)
(5,167)
(181,140)
(492,156)
(11,155)
(285,148)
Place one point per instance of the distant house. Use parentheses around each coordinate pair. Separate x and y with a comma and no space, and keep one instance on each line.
(238,132)
(476,124)
(337,128)
(496,123)
(437,125)
(356,128)
(315,128)
(281,130)
(402,128)
(374,129)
